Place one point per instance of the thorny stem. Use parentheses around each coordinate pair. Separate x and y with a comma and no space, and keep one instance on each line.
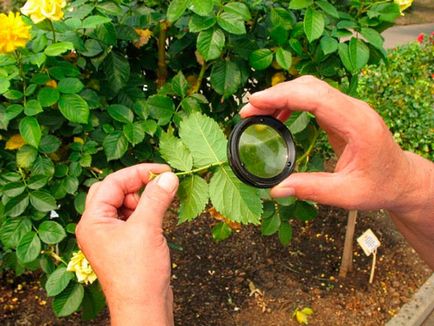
(162,65)
(202,168)
(55,256)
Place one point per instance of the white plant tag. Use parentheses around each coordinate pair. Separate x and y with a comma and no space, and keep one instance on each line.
(369,242)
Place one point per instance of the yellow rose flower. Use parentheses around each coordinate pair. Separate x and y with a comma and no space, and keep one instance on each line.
(38,10)
(15,142)
(278,77)
(403,4)
(14,32)
(82,268)
(144,37)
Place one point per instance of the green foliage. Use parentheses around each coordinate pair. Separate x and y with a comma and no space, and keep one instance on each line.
(401,91)
(117,83)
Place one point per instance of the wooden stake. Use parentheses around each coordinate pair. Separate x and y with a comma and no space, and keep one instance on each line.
(374,259)
(347,256)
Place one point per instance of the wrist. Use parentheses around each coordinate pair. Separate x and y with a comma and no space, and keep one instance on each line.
(157,310)
(416,191)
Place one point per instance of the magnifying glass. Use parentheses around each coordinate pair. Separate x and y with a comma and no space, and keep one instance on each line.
(261,151)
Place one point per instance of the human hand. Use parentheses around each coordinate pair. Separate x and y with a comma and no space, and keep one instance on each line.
(372,171)
(121,235)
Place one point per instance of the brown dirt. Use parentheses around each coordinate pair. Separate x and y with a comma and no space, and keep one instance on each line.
(421,12)
(253,280)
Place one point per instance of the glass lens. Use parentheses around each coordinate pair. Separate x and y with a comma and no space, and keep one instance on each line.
(262,151)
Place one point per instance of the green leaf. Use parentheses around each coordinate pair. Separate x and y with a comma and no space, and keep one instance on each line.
(42,201)
(115,145)
(285,233)
(30,130)
(193,196)
(93,301)
(69,300)
(117,70)
(180,84)
(234,199)
(210,43)
(74,108)
(221,231)
(175,153)
(58,281)
(70,86)
(225,78)
(17,205)
(13,229)
(79,202)
(49,144)
(328,44)
(48,96)
(284,58)
(32,107)
(94,21)
(37,181)
(161,108)
(120,113)
(298,123)
(313,24)
(373,37)
(204,139)
(26,155)
(270,225)
(202,8)
(134,132)
(13,110)
(199,23)
(29,248)
(58,48)
(231,23)
(328,8)
(51,232)
(13,189)
(261,59)
(305,211)
(354,56)
(176,9)
(238,8)
(4,85)
(300,4)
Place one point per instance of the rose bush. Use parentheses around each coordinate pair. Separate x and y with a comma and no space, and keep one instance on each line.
(107,84)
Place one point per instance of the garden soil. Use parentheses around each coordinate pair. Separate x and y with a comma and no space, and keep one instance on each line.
(253,280)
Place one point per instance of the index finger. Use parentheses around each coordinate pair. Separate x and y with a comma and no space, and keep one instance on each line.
(334,110)
(111,192)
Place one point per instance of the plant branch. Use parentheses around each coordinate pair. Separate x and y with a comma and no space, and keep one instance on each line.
(198,83)
(162,65)
(202,168)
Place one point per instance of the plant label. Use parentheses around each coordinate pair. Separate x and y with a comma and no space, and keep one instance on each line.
(369,242)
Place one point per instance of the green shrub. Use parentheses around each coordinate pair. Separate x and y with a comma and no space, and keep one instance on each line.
(402,91)
(107,84)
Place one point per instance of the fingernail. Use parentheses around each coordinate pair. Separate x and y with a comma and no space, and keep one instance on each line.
(168,181)
(280,192)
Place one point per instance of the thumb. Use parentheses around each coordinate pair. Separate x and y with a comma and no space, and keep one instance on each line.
(155,200)
(320,187)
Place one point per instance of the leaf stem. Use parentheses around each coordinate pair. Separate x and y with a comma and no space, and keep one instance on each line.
(310,149)
(202,168)
(53,31)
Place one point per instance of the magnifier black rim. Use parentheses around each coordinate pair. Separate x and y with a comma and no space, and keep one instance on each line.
(234,156)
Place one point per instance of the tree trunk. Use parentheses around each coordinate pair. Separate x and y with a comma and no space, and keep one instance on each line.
(347,256)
